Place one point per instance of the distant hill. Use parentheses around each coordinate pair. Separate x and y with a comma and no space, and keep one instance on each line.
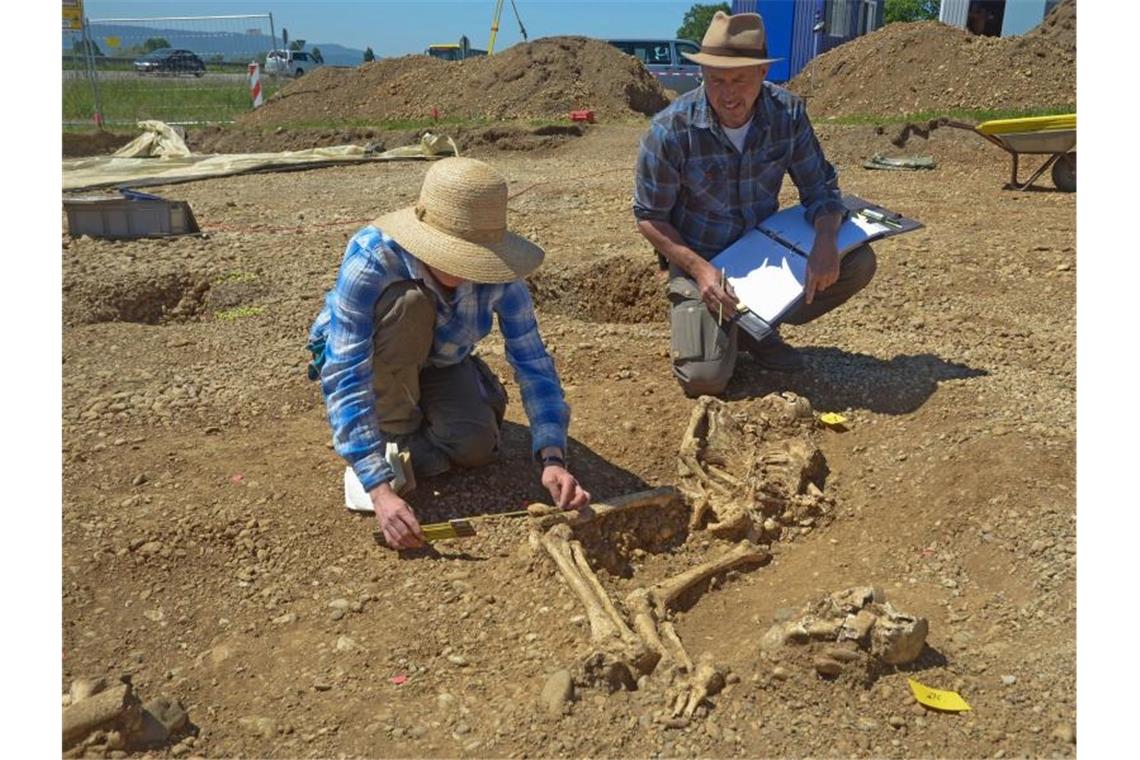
(233,46)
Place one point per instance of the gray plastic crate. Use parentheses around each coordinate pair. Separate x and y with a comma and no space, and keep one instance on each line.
(115,216)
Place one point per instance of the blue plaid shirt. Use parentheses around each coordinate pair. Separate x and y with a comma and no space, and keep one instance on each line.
(690,175)
(372,262)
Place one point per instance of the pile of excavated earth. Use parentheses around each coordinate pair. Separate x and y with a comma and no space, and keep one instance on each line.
(929,66)
(544,79)
(1060,26)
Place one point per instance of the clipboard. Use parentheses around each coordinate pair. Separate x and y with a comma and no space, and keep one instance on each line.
(767,266)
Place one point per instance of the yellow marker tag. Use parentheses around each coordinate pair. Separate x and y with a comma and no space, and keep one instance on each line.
(831,419)
(936,698)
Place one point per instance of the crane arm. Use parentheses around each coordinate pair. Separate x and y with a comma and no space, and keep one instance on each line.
(495,25)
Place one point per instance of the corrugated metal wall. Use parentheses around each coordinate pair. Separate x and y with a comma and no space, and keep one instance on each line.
(790,24)
(953,12)
(804,39)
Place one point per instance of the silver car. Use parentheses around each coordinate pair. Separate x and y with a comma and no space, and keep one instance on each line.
(290,63)
(664,61)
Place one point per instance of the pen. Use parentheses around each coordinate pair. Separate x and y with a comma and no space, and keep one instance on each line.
(720,306)
(875,216)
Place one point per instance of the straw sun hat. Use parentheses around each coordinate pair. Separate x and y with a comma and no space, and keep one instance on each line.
(733,42)
(459,225)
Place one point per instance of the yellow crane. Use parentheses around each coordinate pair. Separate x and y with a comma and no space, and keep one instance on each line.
(495,24)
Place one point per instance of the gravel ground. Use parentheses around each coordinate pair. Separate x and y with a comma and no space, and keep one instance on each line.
(207,554)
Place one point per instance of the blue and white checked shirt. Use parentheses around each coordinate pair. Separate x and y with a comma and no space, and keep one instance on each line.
(372,262)
(690,175)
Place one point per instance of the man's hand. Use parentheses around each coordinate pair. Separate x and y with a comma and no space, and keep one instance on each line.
(397,521)
(564,488)
(823,266)
(708,280)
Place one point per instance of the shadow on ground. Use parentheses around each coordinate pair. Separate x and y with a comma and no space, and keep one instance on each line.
(512,482)
(835,379)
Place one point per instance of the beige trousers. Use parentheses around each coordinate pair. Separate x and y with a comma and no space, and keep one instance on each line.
(441,415)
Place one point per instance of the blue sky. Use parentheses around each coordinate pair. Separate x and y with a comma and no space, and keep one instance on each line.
(395,27)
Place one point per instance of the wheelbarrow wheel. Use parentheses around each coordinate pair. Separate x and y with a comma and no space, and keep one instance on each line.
(1065,172)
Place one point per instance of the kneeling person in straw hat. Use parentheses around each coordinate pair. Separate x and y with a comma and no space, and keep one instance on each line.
(708,170)
(393,345)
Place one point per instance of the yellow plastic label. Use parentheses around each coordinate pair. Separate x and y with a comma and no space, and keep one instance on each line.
(936,698)
(112,42)
(831,419)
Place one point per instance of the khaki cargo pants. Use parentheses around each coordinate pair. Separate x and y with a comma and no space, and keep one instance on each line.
(443,416)
(704,354)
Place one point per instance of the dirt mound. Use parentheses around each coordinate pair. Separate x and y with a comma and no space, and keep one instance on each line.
(544,79)
(1060,26)
(929,66)
(612,289)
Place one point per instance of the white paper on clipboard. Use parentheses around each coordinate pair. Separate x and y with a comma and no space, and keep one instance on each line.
(766,276)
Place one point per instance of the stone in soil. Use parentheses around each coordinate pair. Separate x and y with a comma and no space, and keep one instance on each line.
(558,692)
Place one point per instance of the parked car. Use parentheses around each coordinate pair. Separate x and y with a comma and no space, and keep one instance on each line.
(170,61)
(664,60)
(290,63)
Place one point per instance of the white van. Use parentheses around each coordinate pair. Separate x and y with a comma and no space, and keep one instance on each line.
(290,63)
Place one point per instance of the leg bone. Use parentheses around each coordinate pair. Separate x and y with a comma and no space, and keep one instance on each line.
(666,593)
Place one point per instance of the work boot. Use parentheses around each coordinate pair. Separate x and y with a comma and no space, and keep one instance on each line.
(774,354)
(427,460)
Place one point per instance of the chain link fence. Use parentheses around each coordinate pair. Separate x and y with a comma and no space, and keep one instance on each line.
(180,70)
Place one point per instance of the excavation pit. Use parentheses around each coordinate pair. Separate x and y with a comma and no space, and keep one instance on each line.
(611,289)
(156,299)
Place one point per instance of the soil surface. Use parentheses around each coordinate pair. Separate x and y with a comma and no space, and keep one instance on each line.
(929,66)
(207,553)
(1060,25)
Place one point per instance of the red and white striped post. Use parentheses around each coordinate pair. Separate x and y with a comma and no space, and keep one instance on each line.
(255,83)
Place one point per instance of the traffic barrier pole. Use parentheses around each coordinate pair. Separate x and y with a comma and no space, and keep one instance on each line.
(255,83)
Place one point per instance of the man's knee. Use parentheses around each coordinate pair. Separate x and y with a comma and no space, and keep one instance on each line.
(703,378)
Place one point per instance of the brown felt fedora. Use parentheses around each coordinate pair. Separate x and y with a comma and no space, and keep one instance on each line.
(459,225)
(733,42)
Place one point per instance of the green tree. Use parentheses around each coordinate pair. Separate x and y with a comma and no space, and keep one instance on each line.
(910,10)
(80,47)
(297,45)
(369,55)
(154,43)
(316,53)
(697,20)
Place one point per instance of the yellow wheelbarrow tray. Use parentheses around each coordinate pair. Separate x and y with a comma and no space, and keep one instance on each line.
(1055,136)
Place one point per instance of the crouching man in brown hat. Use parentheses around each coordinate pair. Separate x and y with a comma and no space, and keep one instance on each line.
(417,289)
(710,169)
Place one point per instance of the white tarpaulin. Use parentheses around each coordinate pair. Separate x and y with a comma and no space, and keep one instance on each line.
(168,168)
(157,139)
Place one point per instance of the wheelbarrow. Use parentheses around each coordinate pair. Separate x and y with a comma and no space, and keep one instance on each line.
(1054,136)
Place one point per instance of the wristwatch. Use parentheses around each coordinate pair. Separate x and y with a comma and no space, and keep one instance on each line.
(550,459)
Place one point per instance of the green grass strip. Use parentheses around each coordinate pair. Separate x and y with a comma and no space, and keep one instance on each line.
(960,114)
